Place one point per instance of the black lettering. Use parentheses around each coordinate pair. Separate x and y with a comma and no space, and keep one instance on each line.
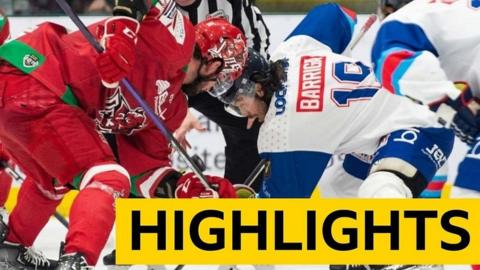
(280,244)
(238,229)
(178,230)
(351,232)
(218,232)
(420,217)
(449,227)
(159,229)
(393,230)
(311,230)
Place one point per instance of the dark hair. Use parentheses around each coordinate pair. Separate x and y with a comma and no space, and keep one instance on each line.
(276,76)
(197,53)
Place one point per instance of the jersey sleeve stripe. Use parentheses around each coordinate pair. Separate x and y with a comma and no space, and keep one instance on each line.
(393,64)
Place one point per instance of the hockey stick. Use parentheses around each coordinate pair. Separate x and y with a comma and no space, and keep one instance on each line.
(366,26)
(255,173)
(17,177)
(153,117)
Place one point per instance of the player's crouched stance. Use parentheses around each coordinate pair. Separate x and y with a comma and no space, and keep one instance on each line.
(314,102)
(51,108)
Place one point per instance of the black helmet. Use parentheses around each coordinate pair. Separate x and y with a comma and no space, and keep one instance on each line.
(387,7)
(257,70)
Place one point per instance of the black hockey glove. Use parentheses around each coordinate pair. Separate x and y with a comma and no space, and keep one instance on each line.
(462,114)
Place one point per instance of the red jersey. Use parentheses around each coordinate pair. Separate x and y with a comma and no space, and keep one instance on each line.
(65,63)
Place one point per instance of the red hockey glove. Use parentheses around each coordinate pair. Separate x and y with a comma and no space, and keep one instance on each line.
(118,39)
(189,186)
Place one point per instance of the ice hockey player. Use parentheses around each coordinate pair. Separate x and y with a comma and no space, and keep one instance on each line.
(53,104)
(314,102)
(345,110)
(218,60)
(241,153)
(423,51)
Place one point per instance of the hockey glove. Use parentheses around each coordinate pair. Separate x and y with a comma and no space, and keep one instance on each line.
(119,38)
(461,114)
(189,186)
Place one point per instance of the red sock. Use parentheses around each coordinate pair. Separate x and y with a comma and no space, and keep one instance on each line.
(30,215)
(92,215)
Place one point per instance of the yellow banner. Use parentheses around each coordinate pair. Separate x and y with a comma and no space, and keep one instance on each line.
(298,231)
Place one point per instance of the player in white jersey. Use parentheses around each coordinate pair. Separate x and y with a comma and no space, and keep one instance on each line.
(420,51)
(314,103)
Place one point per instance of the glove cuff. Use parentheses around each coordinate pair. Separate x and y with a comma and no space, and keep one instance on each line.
(168,185)
(158,183)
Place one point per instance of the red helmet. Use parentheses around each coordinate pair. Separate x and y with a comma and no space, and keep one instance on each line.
(219,39)
(4,27)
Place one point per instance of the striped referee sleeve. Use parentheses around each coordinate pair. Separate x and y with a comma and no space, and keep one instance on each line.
(241,13)
(258,34)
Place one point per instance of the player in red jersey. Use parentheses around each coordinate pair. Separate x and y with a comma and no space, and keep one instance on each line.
(61,95)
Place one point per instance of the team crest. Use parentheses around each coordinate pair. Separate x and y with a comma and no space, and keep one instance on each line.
(30,61)
(118,117)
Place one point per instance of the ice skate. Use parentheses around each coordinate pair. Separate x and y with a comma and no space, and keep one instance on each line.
(72,261)
(16,256)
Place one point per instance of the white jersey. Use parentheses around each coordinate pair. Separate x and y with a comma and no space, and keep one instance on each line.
(329,104)
(421,49)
